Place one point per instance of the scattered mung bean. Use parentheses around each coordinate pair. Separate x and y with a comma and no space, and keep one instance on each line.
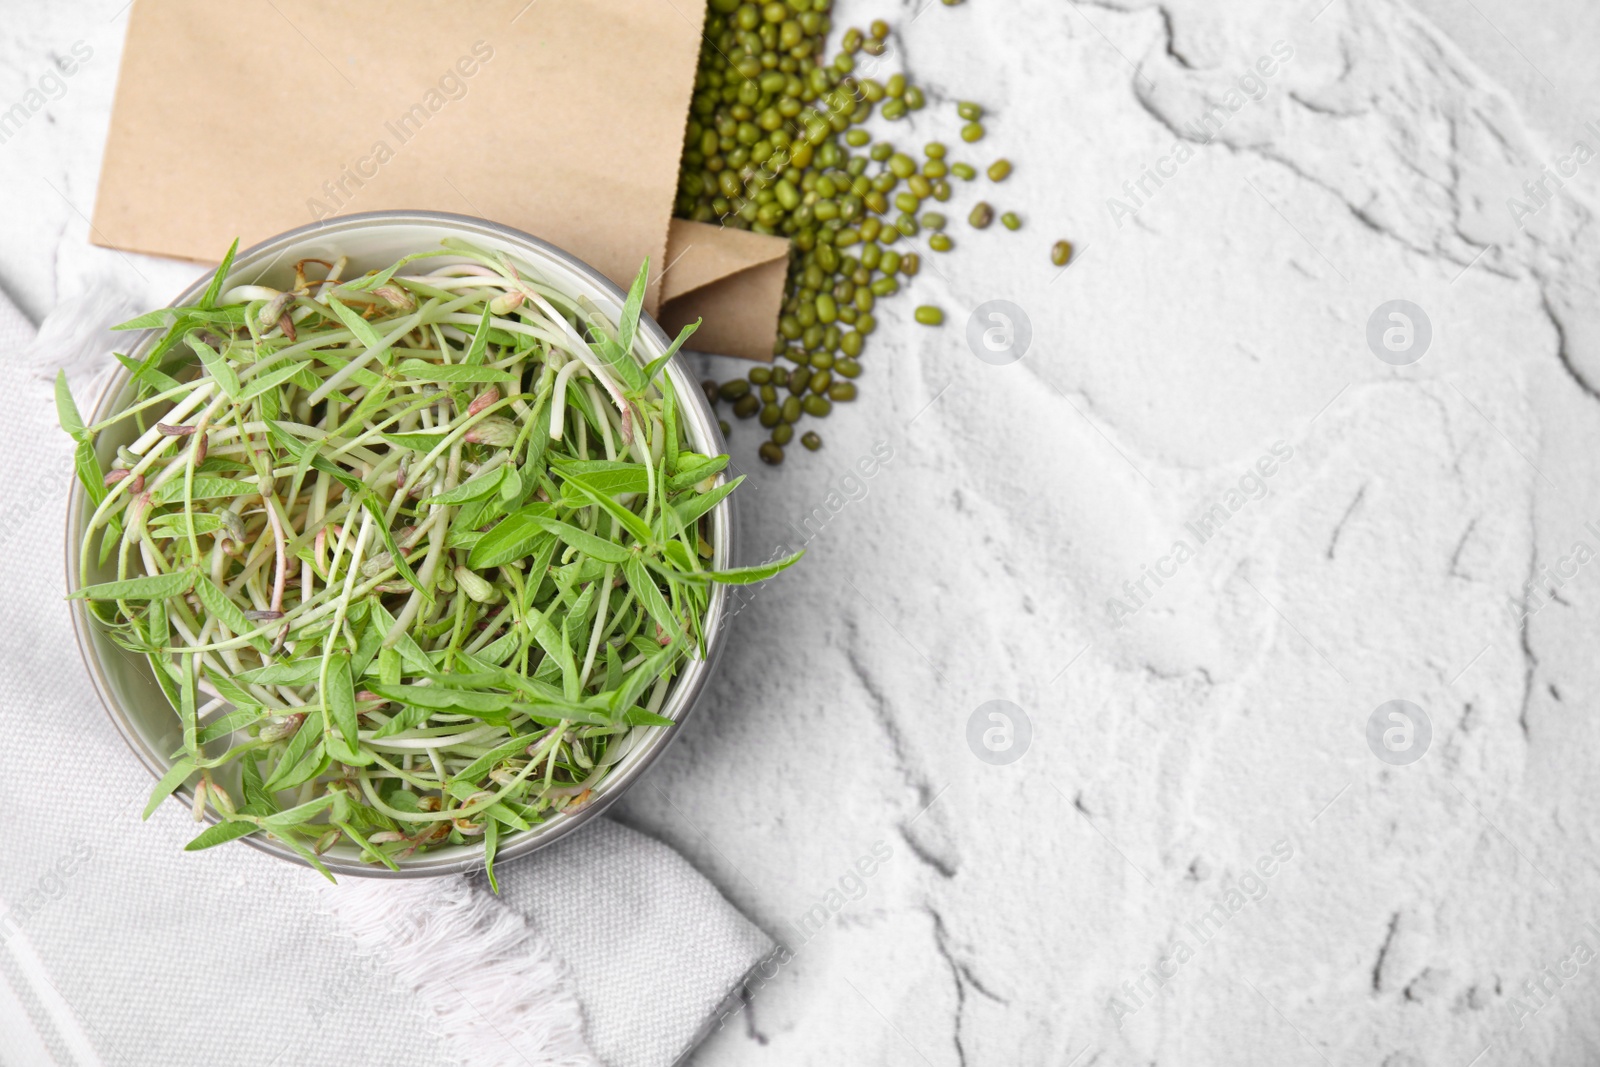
(776,144)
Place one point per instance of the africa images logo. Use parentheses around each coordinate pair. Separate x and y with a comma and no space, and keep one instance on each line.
(999,732)
(1399,332)
(1399,732)
(999,332)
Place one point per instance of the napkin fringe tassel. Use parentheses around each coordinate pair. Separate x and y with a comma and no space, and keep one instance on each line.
(496,993)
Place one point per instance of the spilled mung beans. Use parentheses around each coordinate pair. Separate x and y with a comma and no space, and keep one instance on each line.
(775,144)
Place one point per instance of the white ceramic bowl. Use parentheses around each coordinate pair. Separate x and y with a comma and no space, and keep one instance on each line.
(373,241)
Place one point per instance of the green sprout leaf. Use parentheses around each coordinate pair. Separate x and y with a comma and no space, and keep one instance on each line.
(208,299)
(151,587)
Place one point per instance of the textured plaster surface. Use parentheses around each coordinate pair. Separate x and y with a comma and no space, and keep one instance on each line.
(1215,726)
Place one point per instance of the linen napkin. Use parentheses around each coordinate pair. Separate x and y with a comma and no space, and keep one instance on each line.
(116,947)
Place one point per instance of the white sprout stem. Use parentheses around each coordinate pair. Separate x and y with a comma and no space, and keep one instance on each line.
(580,349)
(241,294)
(558,410)
(280,546)
(599,624)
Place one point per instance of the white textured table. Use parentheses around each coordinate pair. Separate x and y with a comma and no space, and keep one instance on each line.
(1198,859)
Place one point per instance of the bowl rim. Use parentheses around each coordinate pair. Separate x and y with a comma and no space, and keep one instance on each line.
(702,429)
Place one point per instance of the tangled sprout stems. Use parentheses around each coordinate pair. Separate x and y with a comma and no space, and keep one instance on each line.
(415,557)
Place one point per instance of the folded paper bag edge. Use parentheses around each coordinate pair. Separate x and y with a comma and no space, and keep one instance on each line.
(738,314)
(733,280)
(699,253)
